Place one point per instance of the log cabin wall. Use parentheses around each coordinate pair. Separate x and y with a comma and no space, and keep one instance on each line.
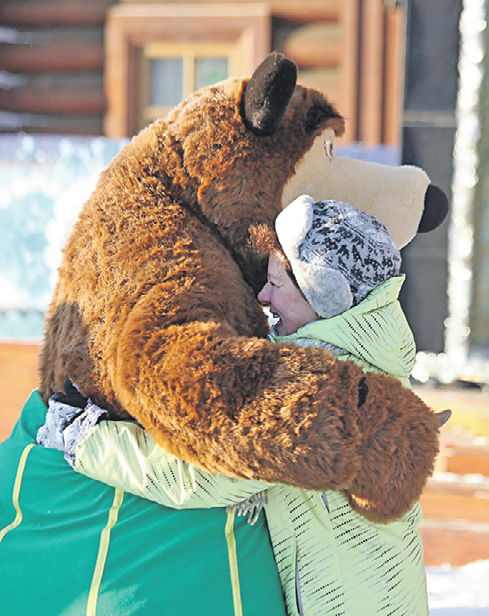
(51,66)
(53,60)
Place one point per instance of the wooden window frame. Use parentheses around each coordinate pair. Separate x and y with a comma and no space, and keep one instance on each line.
(189,52)
(130,27)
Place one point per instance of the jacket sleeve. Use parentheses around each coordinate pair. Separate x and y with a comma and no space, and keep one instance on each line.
(123,455)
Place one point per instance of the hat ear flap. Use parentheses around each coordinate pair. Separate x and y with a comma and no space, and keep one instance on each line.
(326,289)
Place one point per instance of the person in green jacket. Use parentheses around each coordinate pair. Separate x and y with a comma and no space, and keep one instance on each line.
(333,282)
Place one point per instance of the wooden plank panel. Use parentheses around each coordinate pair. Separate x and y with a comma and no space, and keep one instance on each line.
(457,485)
(61,101)
(455,507)
(89,125)
(303,10)
(75,56)
(455,543)
(18,377)
(464,465)
(79,12)
(470,451)
(315,45)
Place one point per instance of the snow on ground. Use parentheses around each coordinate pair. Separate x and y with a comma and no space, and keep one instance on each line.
(462,591)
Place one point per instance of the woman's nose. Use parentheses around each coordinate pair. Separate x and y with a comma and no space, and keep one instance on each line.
(263,296)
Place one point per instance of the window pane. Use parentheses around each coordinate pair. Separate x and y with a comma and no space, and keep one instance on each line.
(209,71)
(166,82)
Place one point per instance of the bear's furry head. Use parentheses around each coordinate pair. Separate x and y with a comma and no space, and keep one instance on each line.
(228,150)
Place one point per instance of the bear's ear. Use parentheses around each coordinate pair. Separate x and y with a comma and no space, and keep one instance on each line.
(435,209)
(267,94)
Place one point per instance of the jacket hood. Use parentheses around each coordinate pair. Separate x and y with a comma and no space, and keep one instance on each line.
(375,333)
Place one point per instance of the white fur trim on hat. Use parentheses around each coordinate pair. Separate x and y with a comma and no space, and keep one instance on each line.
(293,223)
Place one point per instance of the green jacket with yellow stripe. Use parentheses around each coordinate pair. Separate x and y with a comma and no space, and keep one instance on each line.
(72,546)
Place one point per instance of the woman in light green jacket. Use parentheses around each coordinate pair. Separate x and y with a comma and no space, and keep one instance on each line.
(333,282)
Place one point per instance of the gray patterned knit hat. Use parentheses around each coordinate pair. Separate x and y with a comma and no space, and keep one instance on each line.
(338,254)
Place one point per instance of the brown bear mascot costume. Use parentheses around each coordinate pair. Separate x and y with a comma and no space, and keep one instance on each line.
(155,318)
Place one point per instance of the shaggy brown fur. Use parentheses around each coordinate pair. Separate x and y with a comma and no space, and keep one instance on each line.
(155,316)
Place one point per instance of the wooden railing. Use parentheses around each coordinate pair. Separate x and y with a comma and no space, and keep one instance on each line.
(18,377)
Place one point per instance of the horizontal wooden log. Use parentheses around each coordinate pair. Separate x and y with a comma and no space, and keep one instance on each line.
(456,500)
(463,465)
(458,485)
(470,451)
(67,57)
(455,507)
(79,12)
(61,101)
(84,125)
(465,459)
(454,542)
(315,45)
(306,10)
(302,10)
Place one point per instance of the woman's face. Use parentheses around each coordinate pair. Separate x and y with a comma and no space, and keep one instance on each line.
(284,299)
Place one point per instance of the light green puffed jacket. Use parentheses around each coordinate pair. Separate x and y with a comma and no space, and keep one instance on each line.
(331,560)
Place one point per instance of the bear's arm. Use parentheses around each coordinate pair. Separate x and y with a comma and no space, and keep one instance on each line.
(250,409)
(121,454)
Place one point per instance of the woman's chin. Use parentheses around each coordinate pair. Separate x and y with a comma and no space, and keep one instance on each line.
(280,328)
